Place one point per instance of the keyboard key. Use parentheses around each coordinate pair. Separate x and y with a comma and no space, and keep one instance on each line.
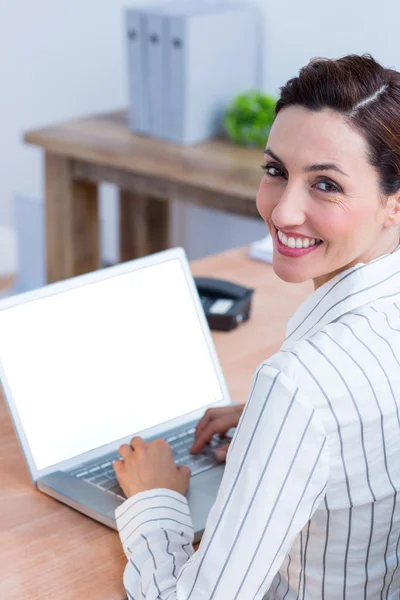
(181,450)
(102,482)
(81,474)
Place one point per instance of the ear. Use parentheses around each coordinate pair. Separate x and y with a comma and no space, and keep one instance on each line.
(393,211)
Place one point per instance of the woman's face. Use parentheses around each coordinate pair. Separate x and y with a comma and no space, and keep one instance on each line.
(320,198)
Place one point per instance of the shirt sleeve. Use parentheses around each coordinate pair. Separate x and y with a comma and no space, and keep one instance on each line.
(275,477)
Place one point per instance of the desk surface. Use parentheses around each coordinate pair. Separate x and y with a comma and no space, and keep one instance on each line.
(106,140)
(50,551)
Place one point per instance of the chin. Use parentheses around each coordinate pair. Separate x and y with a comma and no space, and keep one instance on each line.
(290,275)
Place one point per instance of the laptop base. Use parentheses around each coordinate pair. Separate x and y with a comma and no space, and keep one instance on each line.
(100,505)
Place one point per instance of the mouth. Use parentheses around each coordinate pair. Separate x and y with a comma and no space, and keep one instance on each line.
(295,247)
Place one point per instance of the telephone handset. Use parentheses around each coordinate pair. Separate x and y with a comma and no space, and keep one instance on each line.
(225,304)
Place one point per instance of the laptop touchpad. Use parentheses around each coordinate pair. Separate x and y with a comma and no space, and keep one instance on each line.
(206,483)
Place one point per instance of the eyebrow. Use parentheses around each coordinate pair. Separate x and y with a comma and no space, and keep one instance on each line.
(311,168)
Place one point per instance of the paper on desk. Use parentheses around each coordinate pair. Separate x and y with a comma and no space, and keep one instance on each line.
(262,249)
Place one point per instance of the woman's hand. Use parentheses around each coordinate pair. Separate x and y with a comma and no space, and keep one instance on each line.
(216,420)
(148,466)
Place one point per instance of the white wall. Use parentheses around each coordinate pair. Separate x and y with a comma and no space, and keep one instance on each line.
(64,59)
(57,60)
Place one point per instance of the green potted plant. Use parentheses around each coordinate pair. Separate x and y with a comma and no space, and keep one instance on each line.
(249,117)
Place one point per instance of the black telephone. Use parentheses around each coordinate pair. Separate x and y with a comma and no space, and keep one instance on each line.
(225,304)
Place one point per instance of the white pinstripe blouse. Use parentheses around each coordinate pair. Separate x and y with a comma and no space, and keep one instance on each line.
(308,507)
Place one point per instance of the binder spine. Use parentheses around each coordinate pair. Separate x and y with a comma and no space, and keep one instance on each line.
(177,55)
(156,74)
(139,121)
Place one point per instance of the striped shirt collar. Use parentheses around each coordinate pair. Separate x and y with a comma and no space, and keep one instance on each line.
(346,292)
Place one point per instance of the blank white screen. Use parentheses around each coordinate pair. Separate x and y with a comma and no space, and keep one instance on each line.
(94,364)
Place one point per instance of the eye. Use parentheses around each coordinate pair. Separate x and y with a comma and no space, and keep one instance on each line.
(330,187)
(272,171)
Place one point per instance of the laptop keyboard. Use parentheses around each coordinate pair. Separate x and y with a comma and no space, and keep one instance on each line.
(102,473)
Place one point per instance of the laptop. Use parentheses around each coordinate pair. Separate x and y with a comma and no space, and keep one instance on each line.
(89,362)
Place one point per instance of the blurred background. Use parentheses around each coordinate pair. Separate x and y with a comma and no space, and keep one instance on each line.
(63,60)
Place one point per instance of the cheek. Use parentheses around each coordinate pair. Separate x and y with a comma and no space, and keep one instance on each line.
(341,223)
(265,203)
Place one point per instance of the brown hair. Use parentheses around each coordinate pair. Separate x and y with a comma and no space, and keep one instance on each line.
(364,92)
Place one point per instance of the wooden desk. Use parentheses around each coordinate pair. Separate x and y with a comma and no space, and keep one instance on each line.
(48,550)
(150,173)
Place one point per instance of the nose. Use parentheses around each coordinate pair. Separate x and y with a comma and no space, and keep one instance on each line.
(290,210)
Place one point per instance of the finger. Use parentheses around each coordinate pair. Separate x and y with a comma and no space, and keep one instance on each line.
(125,451)
(118,466)
(204,421)
(186,472)
(221,453)
(138,444)
(162,444)
(221,424)
(210,415)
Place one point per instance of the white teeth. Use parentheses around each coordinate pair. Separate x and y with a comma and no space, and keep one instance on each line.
(296,242)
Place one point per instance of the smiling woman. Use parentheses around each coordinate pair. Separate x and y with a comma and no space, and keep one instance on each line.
(308,507)
(330,191)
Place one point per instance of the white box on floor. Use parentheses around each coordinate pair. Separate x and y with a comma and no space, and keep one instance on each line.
(31,241)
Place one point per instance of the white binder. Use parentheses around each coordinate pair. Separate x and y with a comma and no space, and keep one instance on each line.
(213,54)
(187,60)
(157,72)
(147,68)
(139,114)
(177,61)
(158,65)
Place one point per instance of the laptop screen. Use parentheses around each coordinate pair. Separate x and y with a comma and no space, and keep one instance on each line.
(93,364)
